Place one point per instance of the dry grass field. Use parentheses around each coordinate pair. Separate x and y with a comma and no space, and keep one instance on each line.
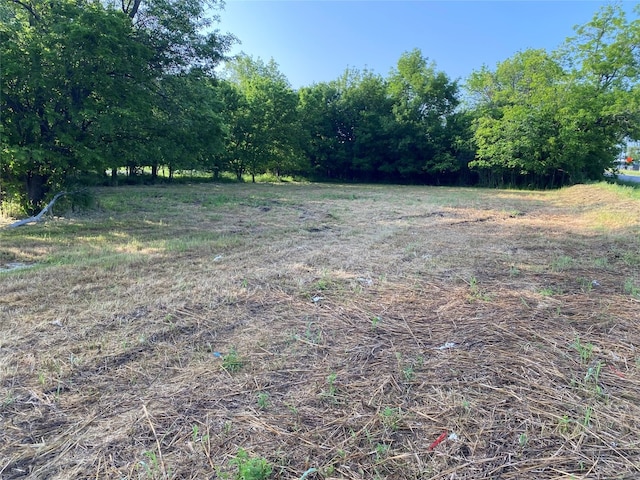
(324,332)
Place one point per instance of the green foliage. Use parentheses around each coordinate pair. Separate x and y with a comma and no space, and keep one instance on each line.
(263,400)
(86,88)
(68,70)
(232,362)
(90,87)
(251,468)
(392,417)
(262,118)
(585,350)
(546,120)
(369,128)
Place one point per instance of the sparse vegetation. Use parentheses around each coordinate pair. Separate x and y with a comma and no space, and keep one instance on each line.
(202,311)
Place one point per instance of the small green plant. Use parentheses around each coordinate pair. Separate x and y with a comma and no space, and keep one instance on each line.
(514,271)
(473,286)
(375,321)
(523,439)
(391,417)
(263,400)
(382,451)
(408,373)
(9,399)
(586,421)
(251,468)
(561,263)
(586,285)
(332,390)
(630,288)
(601,262)
(232,362)
(584,349)
(151,466)
(546,291)
(312,334)
(476,292)
(592,379)
(593,373)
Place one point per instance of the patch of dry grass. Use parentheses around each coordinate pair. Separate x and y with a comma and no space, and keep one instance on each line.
(341,328)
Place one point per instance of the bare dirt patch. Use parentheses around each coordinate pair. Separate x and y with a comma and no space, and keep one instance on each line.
(360,331)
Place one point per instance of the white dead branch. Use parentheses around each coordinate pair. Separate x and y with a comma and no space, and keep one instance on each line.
(38,217)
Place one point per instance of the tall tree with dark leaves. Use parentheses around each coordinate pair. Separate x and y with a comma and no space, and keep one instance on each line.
(264,133)
(70,69)
(424,104)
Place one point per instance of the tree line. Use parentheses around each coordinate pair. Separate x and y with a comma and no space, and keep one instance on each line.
(91,88)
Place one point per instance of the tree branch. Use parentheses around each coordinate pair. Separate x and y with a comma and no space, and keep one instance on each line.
(28,8)
(38,217)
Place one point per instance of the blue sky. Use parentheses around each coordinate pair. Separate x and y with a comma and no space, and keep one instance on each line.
(316,40)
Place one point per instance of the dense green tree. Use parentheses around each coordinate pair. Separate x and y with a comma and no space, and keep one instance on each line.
(69,69)
(87,86)
(550,119)
(516,131)
(424,106)
(318,113)
(187,124)
(179,32)
(603,60)
(366,121)
(366,128)
(264,133)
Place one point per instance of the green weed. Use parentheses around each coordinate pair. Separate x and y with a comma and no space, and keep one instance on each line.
(546,291)
(585,350)
(331,390)
(251,468)
(476,292)
(562,263)
(263,400)
(232,362)
(382,450)
(563,424)
(391,417)
(630,288)
(588,412)
(523,439)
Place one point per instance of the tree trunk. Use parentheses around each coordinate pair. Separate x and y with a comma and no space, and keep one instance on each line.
(154,172)
(36,189)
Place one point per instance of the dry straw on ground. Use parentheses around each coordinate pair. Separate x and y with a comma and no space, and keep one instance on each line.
(362,332)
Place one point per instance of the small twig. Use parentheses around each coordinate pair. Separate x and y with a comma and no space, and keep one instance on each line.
(155,435)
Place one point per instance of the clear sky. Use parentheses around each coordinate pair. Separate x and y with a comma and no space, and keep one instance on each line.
(316,40)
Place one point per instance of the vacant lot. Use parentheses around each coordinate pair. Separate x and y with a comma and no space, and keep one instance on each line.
(324,331)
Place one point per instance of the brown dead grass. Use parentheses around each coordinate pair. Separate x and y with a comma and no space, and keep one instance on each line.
(436,310)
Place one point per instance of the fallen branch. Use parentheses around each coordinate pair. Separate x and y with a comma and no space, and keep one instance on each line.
(38,217)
